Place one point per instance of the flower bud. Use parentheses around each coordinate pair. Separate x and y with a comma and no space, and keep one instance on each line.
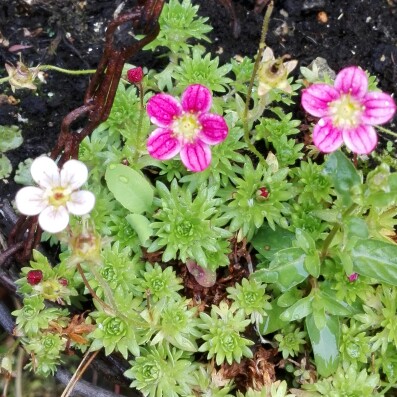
(262,193)
(135,75)
(353,277)
(34,277)
(63,281)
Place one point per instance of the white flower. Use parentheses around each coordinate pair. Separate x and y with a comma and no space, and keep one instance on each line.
(57,194)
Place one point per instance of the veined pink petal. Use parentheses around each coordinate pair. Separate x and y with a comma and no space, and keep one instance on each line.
(162,109)
(162,145)
(352,80)
(54,219)
(214,129)
(379,108)
(196,98)
(196,156)
(81,202)
(326,136)
(74,174)
(30,200)
(45,172)
(316,99)
(361,140)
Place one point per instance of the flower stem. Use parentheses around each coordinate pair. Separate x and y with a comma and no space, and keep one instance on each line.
(386,130)
(334,230)
(66,71)
(265,28)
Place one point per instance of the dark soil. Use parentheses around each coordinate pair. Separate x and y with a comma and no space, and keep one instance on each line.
(69,34)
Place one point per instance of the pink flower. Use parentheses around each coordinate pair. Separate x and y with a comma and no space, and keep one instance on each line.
(347,112)
(186,128)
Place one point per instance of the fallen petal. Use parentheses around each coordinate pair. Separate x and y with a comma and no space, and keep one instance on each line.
(196,98)
(214,129)
(361,140)
(54,220)
(326,136)
(379,108)
(196,156)
(30,200)
(45,172)
(162,109)
(74,174)
(81,202)
(316,99)
(162,145)
(352,80)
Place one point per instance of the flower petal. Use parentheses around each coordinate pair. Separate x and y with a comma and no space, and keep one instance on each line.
(196,156)
(162,145)
(196,98)
(361,140)
(45,172)
(379,108)
(214,129)
(74,174)
(162,109)
(30,200)
(352,80)
(315,99)
(81,202)
(54,219)
(326,136)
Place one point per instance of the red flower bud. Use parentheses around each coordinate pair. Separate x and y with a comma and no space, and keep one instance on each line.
(263,192)
(63,281)
(34,277)
(135,75)
(353,277)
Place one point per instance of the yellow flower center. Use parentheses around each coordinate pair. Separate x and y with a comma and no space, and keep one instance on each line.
(58,196)
(186,127)
(345,112)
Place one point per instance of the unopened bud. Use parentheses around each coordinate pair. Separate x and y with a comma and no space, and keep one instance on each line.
(353,277)
(135,75)
(262,193)
(34,277)
(63,281)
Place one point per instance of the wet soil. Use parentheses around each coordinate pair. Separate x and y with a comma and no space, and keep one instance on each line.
(69,34)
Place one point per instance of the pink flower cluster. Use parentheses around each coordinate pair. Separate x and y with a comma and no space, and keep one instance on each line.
(347,111)
(185,128)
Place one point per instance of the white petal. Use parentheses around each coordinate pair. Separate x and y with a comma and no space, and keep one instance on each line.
(74,173)
(267,55)
(30,200)
(45,172)
(54,219)
(81,202)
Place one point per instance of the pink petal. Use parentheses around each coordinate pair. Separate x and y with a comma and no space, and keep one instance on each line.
(196,98)
(196,156)
(379,108)
(162,109)
(352,80)
(30,200)
(74,174)
(316,99)
(162,145)
(214,129)
(45,172)
(326,136)
(54,219)
(81,202)
(361,140)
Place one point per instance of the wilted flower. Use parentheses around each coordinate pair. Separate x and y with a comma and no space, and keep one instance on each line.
(273,73)
(57,194)
(23,77)
(348,112)
(186,128)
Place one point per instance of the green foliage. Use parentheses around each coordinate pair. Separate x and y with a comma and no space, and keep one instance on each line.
(10,138)
(290,341)
(276,389)
(222,334)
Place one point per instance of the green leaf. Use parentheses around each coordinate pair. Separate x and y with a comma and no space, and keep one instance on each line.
(289,266)
(334,306)
(325,344)
(5,167)
(272,322)
(268,241)
(343,174)
(141,225)
(376,259)
(129,188)
(312,263)
(299,310)
(10,137)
